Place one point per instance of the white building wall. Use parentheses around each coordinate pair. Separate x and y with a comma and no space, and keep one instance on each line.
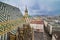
(45,22)
(37,26)
(53,37)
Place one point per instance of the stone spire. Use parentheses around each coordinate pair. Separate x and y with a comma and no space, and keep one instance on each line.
(26,10)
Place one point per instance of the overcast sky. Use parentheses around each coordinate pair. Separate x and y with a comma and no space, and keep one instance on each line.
(37,7)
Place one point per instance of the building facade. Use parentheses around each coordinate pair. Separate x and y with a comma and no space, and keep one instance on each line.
(37,25)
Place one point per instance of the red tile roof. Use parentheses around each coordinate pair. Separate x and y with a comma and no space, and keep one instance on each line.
(36,22)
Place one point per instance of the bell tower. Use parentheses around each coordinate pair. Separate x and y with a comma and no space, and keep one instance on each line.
(26,11)
(26,15)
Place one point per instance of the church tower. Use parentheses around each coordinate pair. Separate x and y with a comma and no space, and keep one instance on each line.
(26,12)
(26,15)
